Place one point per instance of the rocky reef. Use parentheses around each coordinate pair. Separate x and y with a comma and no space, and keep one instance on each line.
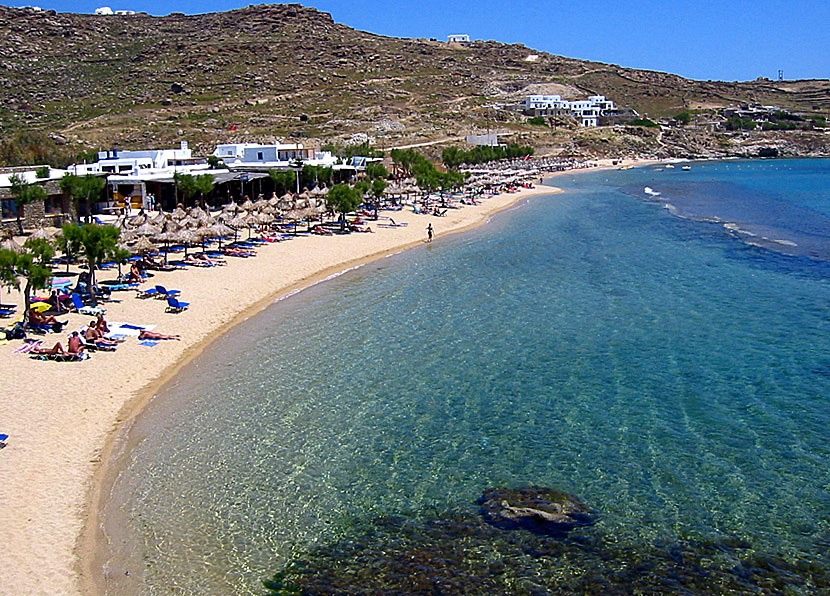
(533,541)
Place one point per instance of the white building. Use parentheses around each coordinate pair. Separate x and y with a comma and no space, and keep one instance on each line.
(458,39)
(586,111)
(274,156)
(130,172)
(104,10)
(149,162)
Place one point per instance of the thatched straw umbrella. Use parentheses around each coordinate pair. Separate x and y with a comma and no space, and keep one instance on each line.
(147,229)
(12,245)
(42,234)
(219,230)
(143,246)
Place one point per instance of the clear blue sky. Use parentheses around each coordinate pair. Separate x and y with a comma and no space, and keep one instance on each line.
(707,39)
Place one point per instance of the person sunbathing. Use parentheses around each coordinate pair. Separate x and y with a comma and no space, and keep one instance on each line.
(101,324)
(37,318)
(56,349)
(143,334)
(76,347)
(95,336)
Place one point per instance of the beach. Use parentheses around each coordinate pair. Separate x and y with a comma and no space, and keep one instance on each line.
(62,418)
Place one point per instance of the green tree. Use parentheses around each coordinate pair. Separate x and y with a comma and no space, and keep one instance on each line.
(683,117)
(343,199)
(85,187)
(203,184)
(538,121)
(376,170)
(452,157)
(283,180)
(33,266)
(186,184)
(377,189)
(42,172)
(24,194)
(97,243)
(215,162)
(8,274)
(121,256)
(69,242)
(317,174)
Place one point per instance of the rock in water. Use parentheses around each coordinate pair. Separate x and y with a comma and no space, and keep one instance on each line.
(539,509)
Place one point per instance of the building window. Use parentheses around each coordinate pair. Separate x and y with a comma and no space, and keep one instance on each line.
(8,209)
(53,205)
(260,156)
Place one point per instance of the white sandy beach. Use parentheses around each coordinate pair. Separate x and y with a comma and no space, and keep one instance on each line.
(62,417)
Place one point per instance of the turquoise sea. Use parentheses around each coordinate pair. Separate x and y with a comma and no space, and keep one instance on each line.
(620,345)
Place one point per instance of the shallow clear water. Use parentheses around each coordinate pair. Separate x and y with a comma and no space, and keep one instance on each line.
(671,376)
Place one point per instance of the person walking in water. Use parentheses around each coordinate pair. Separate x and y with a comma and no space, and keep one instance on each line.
(429,233)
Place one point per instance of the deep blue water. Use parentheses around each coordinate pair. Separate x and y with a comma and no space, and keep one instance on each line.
(668,373)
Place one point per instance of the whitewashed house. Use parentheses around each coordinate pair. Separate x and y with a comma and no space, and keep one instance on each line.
(135,175)
(272,156)
(586,111)
(458,38)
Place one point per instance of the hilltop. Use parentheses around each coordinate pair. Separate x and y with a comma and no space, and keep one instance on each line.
(276,71)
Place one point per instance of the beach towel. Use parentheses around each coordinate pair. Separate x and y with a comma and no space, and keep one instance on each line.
(148,343)
(122,330)
(28,347)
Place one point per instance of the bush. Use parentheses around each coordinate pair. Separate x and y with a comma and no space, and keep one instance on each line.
(683,117)
(645,122)
(453,156)
(537,121)
(738,123)
(42,172)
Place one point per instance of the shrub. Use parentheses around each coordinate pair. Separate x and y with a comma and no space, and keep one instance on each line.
(645,122)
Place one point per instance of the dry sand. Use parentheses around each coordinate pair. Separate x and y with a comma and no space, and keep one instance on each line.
(62,417)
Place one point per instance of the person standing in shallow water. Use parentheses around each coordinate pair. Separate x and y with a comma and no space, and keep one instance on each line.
(429,233)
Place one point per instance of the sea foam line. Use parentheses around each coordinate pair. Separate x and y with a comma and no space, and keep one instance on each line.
(319,281)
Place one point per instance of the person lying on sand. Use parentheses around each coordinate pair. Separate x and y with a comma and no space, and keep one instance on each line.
(94,335)
(152,335)
(76,347)
(36,318)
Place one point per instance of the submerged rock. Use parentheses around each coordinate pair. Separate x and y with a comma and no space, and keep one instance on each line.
(536,508)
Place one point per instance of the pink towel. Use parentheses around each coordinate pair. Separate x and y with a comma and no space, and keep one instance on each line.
(28,347)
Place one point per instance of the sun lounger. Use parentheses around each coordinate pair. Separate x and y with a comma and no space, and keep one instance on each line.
(61,357)
(93,311)
(148,293)
(163,292)
(175,306)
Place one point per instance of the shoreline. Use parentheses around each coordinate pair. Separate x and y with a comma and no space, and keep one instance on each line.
(67,427)
(90,550)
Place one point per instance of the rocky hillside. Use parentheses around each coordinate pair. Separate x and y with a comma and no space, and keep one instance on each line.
(273,71)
